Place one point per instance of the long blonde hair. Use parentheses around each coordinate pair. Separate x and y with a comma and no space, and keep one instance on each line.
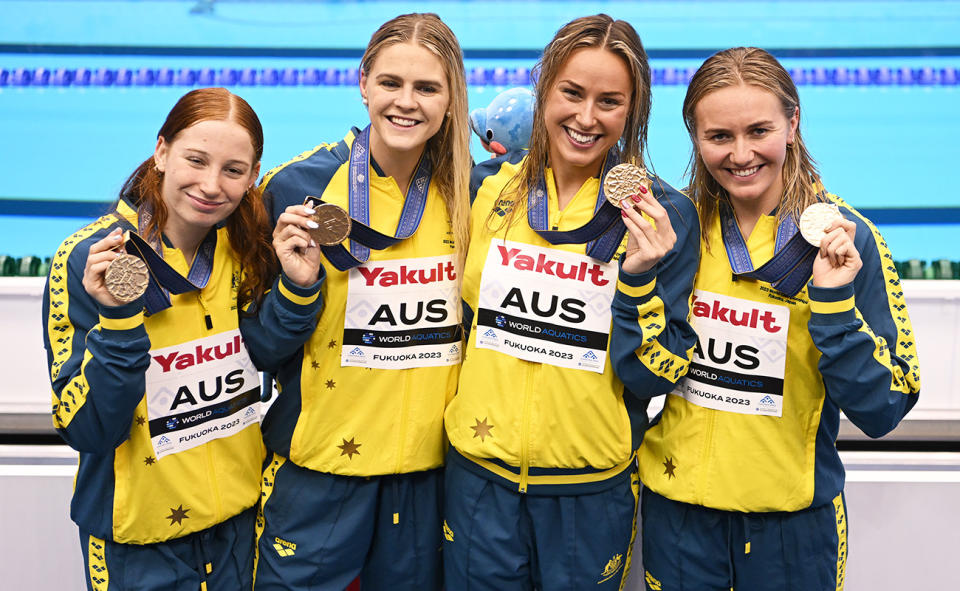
(449,149)
(756,67)
(598,31)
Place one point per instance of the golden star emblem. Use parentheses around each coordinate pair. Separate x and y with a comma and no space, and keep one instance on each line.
(331,384)
(349,448)
(178,515)
(669,467)
(332,345)
(482,429)
(314,364)
(141,421)
(149,460)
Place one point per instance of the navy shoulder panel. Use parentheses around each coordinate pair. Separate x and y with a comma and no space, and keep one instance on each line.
(307,174)
(491,167)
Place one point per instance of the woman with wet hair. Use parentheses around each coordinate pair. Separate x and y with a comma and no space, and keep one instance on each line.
(799,315)
(352,486)
(541,484)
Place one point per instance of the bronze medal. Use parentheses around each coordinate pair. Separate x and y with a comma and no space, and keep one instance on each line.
(127,278)
(815,220)
(624,180)
(334,224)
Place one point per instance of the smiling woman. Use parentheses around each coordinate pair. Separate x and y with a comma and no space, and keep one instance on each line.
(193,217)
(542,433)
(356,434)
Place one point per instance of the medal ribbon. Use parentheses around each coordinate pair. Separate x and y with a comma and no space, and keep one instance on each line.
(791,265)
(164,279)
(602,233)
(363,237)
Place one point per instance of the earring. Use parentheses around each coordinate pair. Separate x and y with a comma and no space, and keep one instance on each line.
(364,101)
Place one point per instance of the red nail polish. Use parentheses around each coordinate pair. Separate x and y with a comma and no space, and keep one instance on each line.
(643,189)
(636,198)
(623,213)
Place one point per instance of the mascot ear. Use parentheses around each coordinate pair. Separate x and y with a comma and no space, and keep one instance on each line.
(505,125)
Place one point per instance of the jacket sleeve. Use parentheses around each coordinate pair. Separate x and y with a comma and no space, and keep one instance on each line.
(284,321)
(98,357)
(868,355)
(652,342)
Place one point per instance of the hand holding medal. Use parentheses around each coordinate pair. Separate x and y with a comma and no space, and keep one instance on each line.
(111,277)
(300,231)
(650,234)
(838,261)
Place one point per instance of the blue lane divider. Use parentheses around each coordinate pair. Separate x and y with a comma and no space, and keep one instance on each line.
(498,76)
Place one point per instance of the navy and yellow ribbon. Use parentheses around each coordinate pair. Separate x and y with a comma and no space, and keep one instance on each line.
(602,234)
(362,236)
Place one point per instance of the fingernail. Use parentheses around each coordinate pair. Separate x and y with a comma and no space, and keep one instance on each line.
(636,198)
(312,224)
(309,211)
(312,243)
(623,213)
(643,188)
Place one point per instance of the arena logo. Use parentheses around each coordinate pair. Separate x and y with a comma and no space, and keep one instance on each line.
(552,267)
(201,354)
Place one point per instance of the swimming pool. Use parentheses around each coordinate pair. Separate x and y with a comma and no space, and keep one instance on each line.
(66,148)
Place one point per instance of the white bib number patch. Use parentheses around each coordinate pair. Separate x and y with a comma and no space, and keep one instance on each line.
(402,314)
(738,363)
(200,391)
(546,305)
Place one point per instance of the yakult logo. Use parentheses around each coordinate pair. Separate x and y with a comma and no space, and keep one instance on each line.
(751,317)
(543,264)
(201,354)
(408,275)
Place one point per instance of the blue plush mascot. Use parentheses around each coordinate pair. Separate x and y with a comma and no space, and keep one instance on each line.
(505,125)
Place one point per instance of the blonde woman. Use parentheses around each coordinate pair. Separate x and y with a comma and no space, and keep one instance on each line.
(743,485)
(541,483)
(352,485)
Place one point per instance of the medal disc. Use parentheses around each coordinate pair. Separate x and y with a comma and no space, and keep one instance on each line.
(624,180)
(334,224)
(127,278)
(815,220)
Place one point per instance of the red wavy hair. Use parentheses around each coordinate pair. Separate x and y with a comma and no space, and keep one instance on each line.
(249,225)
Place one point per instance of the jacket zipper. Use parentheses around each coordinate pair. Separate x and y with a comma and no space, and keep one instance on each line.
(532,369)
(404,409)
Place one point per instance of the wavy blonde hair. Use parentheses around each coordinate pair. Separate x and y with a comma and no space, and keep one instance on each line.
(449,149)
(756,67)
(597,31)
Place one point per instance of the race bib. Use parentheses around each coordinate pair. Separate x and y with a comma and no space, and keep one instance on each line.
(402,314)
(738,363)
(200,391)
(546,305)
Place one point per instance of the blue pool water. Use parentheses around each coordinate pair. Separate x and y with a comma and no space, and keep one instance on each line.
(883,148)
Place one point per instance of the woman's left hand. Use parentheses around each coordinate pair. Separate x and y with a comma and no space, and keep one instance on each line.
(838,261)
(647,243)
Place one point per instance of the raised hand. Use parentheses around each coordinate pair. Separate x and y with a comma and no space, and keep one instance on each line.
(99,258)
(299,254)
(838,261)
(647,242)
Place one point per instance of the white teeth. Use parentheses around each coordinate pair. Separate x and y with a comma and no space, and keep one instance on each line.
(582,138)
(744,171)
(403,122)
